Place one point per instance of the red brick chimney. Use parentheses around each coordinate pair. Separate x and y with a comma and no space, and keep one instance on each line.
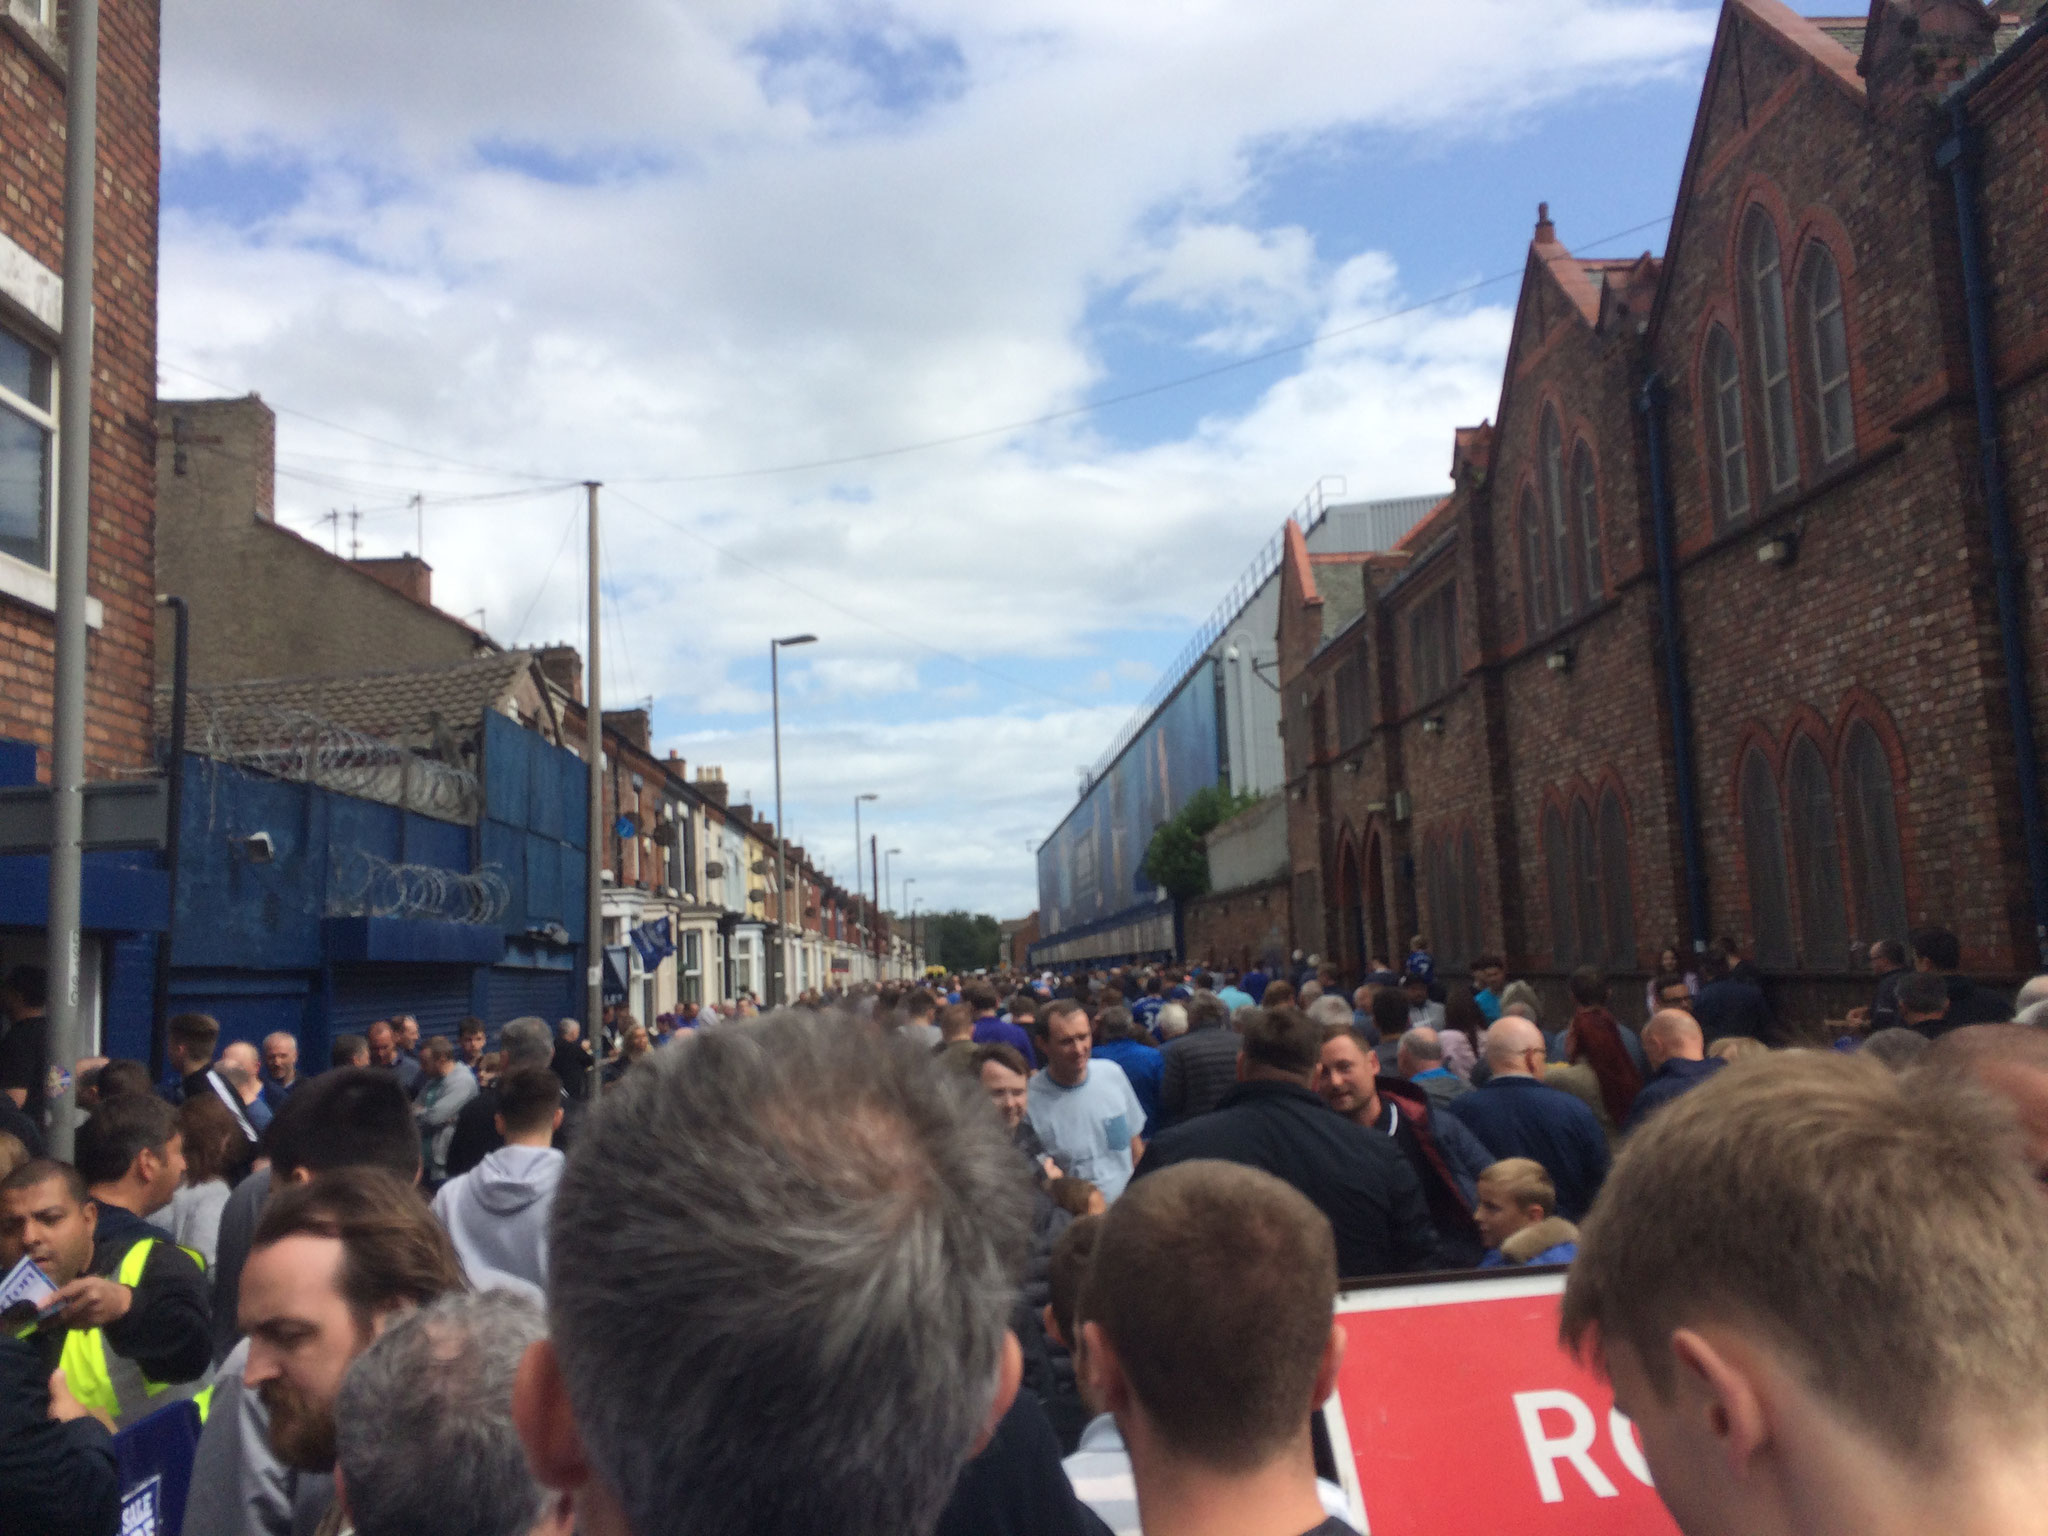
(403,573)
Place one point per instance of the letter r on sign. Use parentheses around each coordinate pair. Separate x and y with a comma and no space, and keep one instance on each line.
(1545,1452)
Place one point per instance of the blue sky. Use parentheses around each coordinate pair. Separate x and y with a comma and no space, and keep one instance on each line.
(685,244)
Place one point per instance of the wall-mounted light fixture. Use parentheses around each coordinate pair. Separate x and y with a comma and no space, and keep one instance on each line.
(1401,805)
(1560,660)
(1433,725)
(1780,550)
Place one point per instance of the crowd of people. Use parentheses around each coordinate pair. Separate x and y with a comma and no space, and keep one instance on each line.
(1012,1252)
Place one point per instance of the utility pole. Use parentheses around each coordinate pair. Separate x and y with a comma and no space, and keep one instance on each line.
(419,518)
(355,545)
(781,972)
(857,799)
(68,1042)
(593,887)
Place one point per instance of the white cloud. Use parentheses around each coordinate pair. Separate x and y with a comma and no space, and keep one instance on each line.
(645,241)
(1256,284)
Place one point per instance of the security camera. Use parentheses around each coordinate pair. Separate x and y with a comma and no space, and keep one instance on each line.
(260,848)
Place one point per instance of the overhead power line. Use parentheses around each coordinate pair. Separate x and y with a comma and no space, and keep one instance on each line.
(837,607)
(926,445)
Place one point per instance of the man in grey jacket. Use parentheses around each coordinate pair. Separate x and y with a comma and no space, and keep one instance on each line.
(445,1088)
(1200,1066)
(497,1213)
(349,1117)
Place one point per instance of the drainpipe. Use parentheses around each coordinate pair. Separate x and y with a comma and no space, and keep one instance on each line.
(1650,402)
(1957,156)
(174,814)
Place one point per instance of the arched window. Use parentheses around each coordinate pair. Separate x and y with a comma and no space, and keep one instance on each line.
(1763,282)
(1443,905)
(1586,492)
(1535,577)
(1615,884)
(1875,867)
(1468,888)
(1827,339)
(1730,449)
(1564,562)
(1557,858)
(1763,843)
(1817,859)
(1586,884)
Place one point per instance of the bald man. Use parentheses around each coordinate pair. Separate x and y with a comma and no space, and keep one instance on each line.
(1518,1115)
(280,1068)
(243,1068)
(1677,1052)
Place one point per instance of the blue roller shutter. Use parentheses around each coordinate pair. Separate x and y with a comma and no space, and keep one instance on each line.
(516,991)
(436,995)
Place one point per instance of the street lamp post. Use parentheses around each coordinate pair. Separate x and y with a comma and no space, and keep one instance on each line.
(1249,776)
(857,889)
(910,954)
(781,842)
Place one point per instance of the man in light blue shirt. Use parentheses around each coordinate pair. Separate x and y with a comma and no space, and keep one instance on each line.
(1235,997)
(1085,1112)
(1490,976)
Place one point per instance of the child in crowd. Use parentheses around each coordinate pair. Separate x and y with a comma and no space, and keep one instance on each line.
(1078,1197)
(1420,962)
(1517,1216)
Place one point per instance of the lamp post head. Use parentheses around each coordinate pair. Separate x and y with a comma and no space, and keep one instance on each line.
(796,640)
(858,798)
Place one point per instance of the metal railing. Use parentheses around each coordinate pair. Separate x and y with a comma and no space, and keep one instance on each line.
(1307,514)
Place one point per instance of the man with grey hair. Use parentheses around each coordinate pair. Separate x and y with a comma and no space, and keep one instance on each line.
(524,1042)
(1419,1057)
(1200,1067)
(1171,1021)
(789,1249)
(424,1433)
(1328,1012)
(2031,1006)
(280,1067)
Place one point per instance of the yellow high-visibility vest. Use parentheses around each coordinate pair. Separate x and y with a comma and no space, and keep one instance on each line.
(101,1377)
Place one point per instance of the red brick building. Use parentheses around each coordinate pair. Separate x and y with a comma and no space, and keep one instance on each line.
(124,893)
(121,579)
(1709,637)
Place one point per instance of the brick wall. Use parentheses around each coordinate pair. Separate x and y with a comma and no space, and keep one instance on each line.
(121,557)
(1885,615)
(1238,928)
(267,602)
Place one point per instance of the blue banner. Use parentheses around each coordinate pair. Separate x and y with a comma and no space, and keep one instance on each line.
(155,1461)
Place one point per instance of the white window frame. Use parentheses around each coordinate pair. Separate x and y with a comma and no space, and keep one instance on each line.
(1835,316)
(1564,566)
(1731,448)
(1773,354)
(32,307)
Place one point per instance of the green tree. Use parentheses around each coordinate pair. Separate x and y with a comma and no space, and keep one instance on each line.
(1176,860)
(962,941)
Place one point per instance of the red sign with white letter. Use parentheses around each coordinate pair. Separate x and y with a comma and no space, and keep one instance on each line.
(1457,1413)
